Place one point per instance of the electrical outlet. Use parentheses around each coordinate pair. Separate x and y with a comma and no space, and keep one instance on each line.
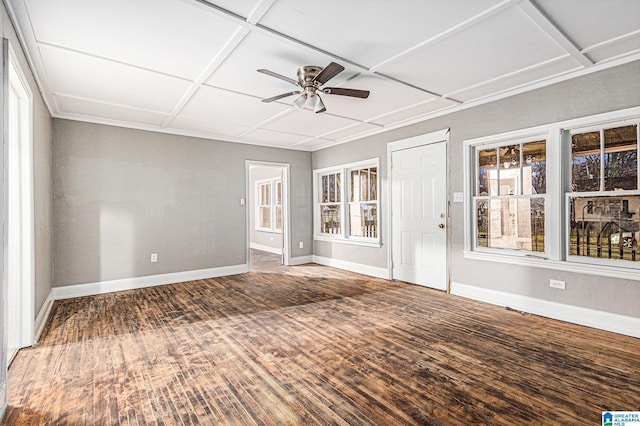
(154,257)
(301,244)
(556,284)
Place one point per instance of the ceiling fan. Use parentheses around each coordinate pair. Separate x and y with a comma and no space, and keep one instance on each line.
(310,78)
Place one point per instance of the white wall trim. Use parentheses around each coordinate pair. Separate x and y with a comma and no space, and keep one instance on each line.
(616,323)
(359,268)
(300,260)
(89,289)
(43,315)
(262,247)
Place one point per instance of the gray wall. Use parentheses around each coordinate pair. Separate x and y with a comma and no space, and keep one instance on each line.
(607,90)
(269,239)
(121,194)
(42,176)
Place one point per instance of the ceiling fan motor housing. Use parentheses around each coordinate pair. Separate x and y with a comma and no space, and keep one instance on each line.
(306,74)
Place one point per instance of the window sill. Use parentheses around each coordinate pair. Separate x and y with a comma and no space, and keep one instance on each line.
(536,262)
(341,240)
(269,231)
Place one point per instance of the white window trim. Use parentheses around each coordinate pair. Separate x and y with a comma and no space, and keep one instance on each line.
(556,257)
(343,237)
(272,195)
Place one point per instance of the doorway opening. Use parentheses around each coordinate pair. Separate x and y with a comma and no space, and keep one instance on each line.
(20,213)
(267,215)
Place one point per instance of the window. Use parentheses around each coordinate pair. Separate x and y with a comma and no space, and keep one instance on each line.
(604,202)
(510,196)
(564,196)
(269,205)
(346,203)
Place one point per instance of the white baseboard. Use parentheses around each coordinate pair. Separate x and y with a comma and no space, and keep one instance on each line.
(353,267)
(43,315)
(261,247)
(300,260)
(79,290)
(621,324)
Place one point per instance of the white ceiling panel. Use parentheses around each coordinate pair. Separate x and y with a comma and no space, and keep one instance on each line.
(613,50)
(257,51)
(215,128)
(215,104)
(308,123)
(145,33)
(241,8)
(365,31)
(605,20)
(275,138)
(516,80)
(142,62)
(83,76)
(414,111)
(83,107)
(385,97)
(351,131)
(499,45)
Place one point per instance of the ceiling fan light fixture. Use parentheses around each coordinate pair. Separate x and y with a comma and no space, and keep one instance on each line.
(301,101)
(319,105)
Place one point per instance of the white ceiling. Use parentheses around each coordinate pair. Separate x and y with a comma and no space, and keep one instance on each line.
(189,66)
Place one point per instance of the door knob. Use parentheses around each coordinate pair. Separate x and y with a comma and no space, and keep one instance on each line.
(441,226)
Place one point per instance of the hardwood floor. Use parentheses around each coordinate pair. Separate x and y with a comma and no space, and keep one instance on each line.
(314,345)
(260,260)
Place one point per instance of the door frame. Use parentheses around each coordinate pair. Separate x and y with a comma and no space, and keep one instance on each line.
(414,142)
(25,186)
(286,205)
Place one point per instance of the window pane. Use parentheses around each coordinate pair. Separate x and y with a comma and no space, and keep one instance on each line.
(585,153)
(265,217)
(338,187)
(278,217)
(364,185)
(482,217)
(534,168)
(373,183)
(324,198)
(355,185)
(605,227)
(330,219)
(514,223)
(530,235)
(332,188)
(265,194)
(487,176)
(363,220)
(621,158)
(278,193)
(509,170)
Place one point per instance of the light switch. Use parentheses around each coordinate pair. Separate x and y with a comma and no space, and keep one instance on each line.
(458,197)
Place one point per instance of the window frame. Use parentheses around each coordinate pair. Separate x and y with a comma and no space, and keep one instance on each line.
(557,208)
(272,182)
(495,144)
(568,132)
(343,236)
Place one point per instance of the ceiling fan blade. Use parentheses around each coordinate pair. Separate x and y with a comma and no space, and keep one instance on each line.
(328,73)
(355,93)
(284,95)
(276,75)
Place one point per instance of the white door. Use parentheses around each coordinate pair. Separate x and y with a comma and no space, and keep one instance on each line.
(419,215)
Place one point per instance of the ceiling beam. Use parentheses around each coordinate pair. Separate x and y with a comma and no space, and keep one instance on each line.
(537,16)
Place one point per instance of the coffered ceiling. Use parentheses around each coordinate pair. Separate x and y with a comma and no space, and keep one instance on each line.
(189,66)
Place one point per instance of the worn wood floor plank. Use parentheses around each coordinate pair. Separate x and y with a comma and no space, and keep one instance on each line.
(314,345)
